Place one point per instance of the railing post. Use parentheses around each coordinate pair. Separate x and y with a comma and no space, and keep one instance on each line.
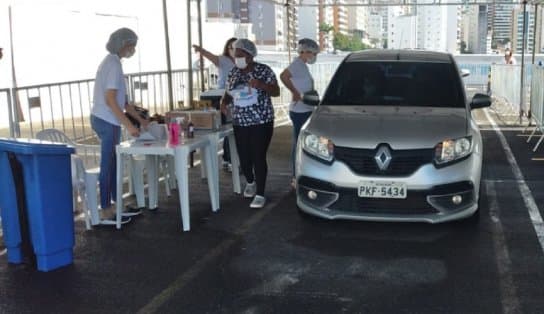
(523,46)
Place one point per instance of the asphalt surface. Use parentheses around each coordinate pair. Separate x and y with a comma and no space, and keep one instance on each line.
(274,260)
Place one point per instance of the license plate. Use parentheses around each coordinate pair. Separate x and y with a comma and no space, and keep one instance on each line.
(379,189)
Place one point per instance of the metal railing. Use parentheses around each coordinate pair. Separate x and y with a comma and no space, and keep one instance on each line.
(67,105)
(506,89)
(6,119)
(537,104)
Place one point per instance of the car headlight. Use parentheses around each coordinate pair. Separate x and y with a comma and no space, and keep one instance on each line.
(318,146)
(451,150)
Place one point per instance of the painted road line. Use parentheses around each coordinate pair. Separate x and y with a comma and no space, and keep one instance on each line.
(509,297)
(530,204)
(182,280)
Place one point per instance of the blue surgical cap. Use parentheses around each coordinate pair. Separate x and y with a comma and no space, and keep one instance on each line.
(120,38)
(246,45)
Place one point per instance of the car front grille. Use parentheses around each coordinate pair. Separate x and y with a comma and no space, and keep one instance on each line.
(414,204)
(403,162)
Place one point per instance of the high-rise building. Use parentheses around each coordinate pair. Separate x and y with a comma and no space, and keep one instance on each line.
(271,25)
(339,16)
(477,28)
(223,9)
(308,22)
(375,29)
(500,20)
(357,19)
(517,30)
(429,27)
(394,28)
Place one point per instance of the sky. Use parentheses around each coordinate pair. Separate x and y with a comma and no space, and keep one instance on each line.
(61,40)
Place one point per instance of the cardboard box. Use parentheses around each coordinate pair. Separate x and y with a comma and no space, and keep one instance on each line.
(175,114)
(202,119)
(202,104)
(206,120)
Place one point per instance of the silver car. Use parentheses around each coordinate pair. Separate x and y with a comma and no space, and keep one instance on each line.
(393,139)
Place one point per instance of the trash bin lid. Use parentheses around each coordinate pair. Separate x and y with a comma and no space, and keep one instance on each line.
(31,146)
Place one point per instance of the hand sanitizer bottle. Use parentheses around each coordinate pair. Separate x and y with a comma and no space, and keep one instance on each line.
(173,138)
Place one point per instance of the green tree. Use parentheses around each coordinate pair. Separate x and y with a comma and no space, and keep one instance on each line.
(325,28)
(348,42)
(340,41)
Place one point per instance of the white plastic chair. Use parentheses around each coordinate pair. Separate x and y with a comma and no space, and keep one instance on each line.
(85,175)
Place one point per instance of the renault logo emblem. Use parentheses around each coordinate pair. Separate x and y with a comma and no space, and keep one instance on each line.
(383,158)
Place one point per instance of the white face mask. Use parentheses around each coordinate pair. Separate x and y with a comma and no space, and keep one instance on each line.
(240,62)
(130,53)
(312,59)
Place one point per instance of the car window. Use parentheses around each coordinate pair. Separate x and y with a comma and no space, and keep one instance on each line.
(395,84)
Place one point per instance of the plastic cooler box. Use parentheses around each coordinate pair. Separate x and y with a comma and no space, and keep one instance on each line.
(47,221)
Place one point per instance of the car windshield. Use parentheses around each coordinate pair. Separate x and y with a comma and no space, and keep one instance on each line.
(395,84)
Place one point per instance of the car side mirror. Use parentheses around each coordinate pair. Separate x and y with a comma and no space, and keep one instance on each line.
(311,98)
(480,101)
(465,72)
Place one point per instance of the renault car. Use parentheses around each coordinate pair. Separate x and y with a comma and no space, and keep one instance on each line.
(392,139)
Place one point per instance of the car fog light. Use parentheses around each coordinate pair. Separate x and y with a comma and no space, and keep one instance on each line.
(457,199)
(312,195)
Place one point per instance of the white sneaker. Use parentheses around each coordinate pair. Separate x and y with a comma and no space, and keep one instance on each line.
(258,202)
(250,189)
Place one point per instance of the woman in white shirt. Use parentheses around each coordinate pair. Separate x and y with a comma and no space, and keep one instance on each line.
(508,57)
(297,78)
(107,113)
(224,63)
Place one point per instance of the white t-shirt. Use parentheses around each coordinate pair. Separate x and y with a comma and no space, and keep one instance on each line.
(225,65)
(512,61)
(303,82)
(109,76)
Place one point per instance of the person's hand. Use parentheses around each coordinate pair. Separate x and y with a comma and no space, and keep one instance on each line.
(223,108)
(197,48)
(133,131)
(255,83)
(296,97)
(144,123)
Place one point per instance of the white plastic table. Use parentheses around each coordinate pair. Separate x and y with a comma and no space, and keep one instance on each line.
(215,138)
(181,154)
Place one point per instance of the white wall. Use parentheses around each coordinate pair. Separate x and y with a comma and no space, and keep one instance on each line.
(61,40)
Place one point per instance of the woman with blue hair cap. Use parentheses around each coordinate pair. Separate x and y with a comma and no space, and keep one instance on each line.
(107,113)
(297,78)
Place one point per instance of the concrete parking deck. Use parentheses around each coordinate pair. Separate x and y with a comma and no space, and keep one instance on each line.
(273,260)
(122,270)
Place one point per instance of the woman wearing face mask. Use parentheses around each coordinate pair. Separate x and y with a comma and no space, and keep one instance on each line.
(297,78)
(107,113)
(224,63)
(249,88)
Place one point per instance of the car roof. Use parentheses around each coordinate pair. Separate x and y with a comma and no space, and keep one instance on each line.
(399,55)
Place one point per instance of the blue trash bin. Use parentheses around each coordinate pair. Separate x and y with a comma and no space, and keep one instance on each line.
(47,221)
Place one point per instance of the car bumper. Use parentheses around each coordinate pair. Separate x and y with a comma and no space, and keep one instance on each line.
(330,191)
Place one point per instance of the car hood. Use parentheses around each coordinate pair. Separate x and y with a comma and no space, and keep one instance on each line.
(400,127)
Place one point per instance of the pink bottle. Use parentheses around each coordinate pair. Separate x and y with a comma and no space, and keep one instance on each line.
(173,137)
